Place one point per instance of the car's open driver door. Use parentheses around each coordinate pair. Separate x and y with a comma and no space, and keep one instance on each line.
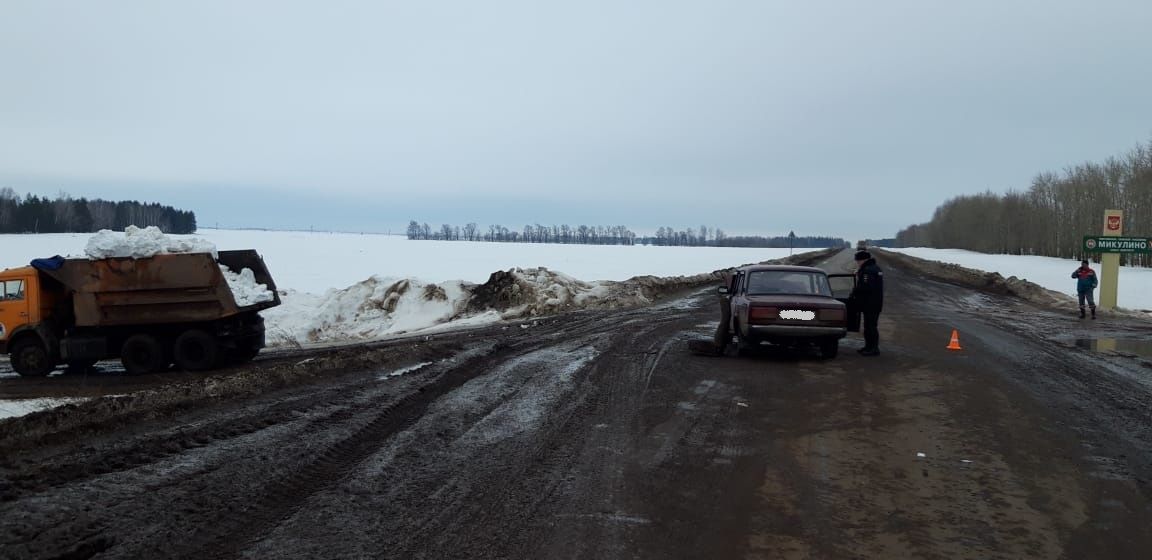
(842,286)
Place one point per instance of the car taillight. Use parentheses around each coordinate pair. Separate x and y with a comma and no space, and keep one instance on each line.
(832,315)
(763,313)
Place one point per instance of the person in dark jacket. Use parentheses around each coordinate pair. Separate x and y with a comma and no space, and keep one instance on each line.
(868,298)
(1085,285)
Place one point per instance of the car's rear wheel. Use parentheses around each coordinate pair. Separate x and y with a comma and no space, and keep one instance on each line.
(744,344)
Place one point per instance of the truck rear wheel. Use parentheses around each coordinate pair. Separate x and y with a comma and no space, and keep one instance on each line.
(142,353)
(30,358)
(196,350)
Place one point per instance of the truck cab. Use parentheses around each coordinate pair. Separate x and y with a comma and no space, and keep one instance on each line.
(22,309)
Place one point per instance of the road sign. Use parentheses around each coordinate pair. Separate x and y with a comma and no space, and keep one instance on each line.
(1109,244)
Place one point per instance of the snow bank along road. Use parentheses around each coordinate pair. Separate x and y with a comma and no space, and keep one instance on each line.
(598,435)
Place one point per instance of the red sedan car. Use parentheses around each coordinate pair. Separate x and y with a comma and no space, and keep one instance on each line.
(791,306)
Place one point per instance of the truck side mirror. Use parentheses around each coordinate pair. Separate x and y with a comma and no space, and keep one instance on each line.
(722,290)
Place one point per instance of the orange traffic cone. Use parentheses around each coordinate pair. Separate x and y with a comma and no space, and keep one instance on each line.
(954,344)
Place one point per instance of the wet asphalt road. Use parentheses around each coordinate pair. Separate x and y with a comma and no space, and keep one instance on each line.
(599,435)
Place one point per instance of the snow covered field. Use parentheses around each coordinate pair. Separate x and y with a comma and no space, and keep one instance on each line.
(1054,274)
(337,286)
(316,262)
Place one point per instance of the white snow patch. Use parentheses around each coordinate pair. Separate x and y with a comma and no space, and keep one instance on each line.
(370,309)
(245,288)
(1051,273)
(19,407)
(141,243)
(403,371)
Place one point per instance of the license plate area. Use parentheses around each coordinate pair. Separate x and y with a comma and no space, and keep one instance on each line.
(797,314)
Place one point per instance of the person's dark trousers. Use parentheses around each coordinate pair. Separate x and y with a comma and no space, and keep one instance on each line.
(871,330)
(723,330)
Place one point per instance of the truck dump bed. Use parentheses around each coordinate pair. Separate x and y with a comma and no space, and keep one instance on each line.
(186,287)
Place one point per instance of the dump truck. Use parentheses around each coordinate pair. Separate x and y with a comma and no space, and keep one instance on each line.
(147,312)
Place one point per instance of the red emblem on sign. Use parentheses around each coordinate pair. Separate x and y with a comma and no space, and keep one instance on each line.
(1113,223)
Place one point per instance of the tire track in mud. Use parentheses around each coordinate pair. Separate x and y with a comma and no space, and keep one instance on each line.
(106,532)
(280,499)
(600,440)
(79,467)
(512,495)
(233,533)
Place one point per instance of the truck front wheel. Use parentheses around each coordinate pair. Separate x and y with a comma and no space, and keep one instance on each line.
(30,358)
(142,353)
(196,350)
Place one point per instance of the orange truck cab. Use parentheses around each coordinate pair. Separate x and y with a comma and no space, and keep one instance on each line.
(22,307)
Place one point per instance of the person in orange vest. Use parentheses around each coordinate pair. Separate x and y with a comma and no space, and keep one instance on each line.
(1085,286)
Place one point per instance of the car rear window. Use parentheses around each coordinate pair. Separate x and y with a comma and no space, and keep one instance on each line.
(763,282)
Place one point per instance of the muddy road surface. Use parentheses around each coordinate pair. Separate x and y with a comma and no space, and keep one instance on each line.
(600,435)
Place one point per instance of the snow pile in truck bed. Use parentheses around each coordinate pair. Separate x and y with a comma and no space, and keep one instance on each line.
(245,289)
(141,243)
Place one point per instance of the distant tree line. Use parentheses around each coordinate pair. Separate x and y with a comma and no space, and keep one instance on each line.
(611,235)
(64,214)
(587,235)
(781,242)
(1052,217)
(715,237)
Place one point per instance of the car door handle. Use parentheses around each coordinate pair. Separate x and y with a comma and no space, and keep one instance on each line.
(23,313)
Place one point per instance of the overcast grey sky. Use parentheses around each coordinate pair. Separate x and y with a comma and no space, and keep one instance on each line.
(850,118)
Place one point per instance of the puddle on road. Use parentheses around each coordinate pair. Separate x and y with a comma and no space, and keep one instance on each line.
(1126,345)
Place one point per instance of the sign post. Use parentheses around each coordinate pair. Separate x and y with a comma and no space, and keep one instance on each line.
(1110,262)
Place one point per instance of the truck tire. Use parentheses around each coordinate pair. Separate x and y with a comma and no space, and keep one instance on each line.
(30,359)
(141,354)
(196,350)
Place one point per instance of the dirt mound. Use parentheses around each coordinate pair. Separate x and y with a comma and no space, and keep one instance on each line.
(502,291)
(532,292)
(990,282)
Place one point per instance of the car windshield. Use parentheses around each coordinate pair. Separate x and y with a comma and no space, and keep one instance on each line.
(762,282)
